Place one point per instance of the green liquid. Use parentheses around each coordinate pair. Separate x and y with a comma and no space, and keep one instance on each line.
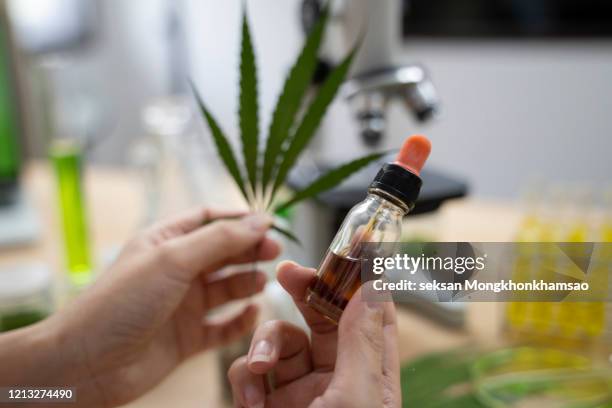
(66,157)
(9,156)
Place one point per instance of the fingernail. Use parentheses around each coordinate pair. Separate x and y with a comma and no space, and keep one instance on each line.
(258,222)
(262,352)
(253,396)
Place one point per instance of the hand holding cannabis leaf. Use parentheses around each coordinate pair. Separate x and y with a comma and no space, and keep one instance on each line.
(147,313)
(289,133)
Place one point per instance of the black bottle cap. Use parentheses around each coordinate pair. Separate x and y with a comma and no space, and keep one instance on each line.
(398,182)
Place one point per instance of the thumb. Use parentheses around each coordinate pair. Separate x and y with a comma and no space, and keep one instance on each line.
(361,343)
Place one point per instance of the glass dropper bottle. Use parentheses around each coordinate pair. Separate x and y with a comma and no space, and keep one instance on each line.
(376,220)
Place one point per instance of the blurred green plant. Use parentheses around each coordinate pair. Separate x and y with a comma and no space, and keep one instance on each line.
(293,125)
(440,380)
(511,377)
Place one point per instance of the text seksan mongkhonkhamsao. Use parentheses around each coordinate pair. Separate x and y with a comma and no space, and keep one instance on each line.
(458,265)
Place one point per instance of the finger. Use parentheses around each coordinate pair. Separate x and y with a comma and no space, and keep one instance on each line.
(248,388)
(391,361)
(192,219)
(210,247)
(219,332)
(362,345)
(296,279)
(282,347)
(218,291)
(174,227)
(266,250)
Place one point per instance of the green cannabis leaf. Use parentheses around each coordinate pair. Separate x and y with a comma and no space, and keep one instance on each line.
(223,147)
(329,180)
(248,111)
(286,233)
(312,119)
(289,101)
(289,134)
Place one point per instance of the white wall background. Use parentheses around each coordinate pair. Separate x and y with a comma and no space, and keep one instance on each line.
(512,110)
(213,31)
(518,111)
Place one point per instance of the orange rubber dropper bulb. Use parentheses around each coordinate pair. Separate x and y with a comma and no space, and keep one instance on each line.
(414,153)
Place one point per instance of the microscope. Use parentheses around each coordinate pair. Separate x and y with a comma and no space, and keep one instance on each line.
(376,79)
(358,122)
(371,92)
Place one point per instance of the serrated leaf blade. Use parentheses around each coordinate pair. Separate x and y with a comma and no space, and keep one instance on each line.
(330,179)
(291,97)
(312,118)
(224,149)
(286,233)
(248,107)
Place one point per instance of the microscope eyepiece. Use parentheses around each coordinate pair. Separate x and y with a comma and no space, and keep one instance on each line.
(370,94)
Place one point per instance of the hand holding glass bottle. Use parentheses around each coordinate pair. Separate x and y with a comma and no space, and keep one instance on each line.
(321,370)
(377,219)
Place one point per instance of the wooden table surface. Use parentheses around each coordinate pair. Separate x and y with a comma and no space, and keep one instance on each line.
(115,202)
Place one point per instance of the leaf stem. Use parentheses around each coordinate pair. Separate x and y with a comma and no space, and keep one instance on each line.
(251,197)
(268,197)
(260,198)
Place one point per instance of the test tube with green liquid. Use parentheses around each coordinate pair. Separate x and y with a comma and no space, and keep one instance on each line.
(67,162)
